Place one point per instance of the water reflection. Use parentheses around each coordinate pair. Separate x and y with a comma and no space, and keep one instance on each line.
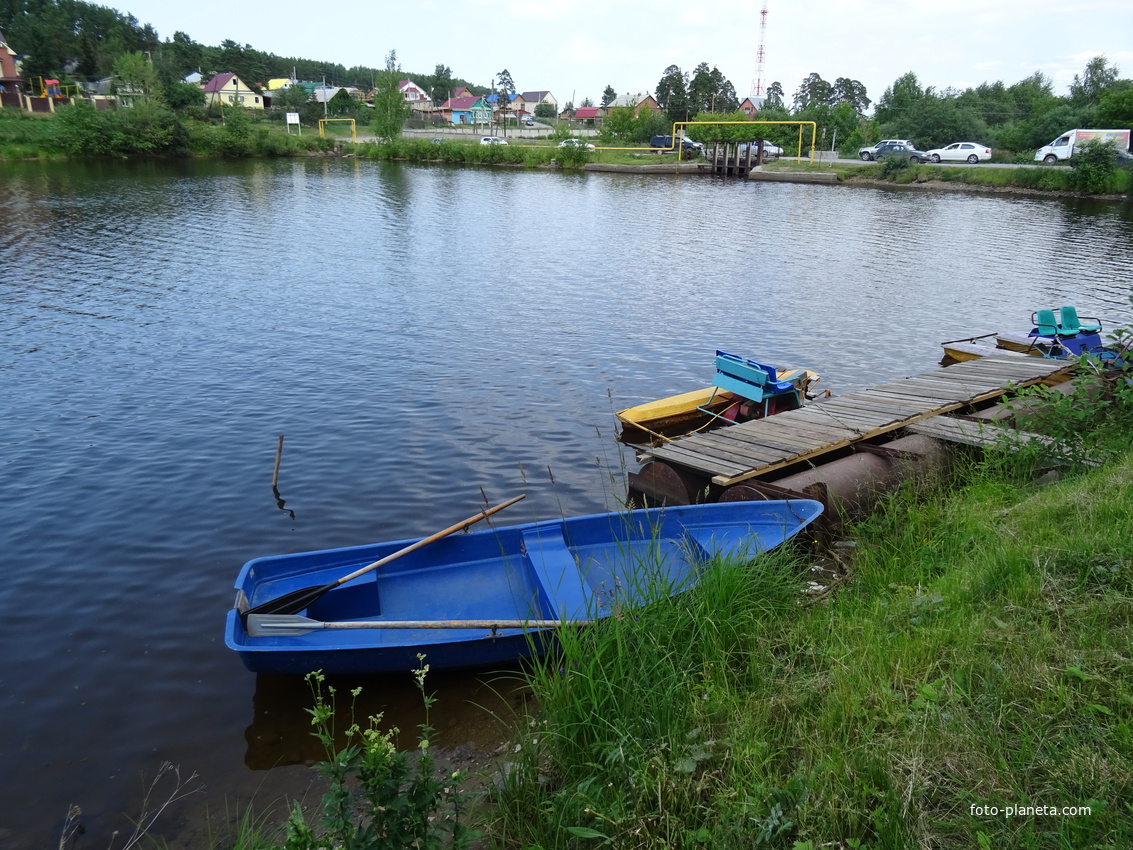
(473,711)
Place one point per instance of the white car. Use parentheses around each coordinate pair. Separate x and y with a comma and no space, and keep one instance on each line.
(576,143)
(493,140)
(771,149)
(972,152)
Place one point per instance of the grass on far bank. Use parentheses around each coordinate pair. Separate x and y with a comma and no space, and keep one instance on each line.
(977,656)
(1114,181)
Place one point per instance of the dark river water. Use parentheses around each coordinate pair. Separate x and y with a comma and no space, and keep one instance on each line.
(420,335)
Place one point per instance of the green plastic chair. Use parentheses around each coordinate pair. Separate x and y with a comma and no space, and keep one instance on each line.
(1071,324)
(1045,323)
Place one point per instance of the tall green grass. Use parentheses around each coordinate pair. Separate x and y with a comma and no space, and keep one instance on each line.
(471,152)
(25,135)
(977,655)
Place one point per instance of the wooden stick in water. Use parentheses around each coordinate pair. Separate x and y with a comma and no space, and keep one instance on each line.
(278,455)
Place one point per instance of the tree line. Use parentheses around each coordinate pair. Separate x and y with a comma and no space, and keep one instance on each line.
(1018,117)
(72,41)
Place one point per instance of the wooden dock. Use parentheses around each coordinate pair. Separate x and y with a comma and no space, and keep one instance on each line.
(737,453)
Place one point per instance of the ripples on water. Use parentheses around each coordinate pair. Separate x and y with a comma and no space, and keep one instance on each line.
(418,334)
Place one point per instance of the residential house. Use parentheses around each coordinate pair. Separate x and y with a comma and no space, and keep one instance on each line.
(414,95)
(9,68)
(533,99)
(462,91)
(636,102)
(593,114)
(324,94)
(515,111)
(467,110)
(229,90)
(751,106)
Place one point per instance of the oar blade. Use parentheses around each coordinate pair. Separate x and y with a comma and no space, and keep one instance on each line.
(291,603)
(279,625)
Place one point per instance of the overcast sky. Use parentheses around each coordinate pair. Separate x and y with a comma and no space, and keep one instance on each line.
(575,48)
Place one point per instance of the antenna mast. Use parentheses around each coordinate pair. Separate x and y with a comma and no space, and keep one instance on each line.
(757,83)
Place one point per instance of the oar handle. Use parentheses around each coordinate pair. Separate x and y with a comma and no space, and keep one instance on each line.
(288,625)
(452,529)
(447,624)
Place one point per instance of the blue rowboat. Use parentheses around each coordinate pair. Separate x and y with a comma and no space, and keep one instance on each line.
(490,596)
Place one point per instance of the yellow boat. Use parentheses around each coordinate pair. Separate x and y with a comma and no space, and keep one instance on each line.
(973,347)
(969,348)
(678,415)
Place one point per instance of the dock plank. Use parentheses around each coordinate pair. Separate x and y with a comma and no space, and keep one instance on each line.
(985,434)
(775,441)
(756,452)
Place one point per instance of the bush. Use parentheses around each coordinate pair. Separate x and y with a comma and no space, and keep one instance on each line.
(142,129)
(895,166)
(1095,166)
(378,797)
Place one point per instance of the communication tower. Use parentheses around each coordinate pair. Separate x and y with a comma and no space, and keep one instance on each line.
(757,83)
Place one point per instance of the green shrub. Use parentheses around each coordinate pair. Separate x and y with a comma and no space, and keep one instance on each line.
(895,166)
(1094,167)
(145,129)
(379,798)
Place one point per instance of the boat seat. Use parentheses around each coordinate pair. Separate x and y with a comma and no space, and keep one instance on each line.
(1071,324)
(1046,324)
(748,378)
(567,591)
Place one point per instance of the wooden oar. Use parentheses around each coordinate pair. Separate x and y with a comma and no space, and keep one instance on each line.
(297,600)
(282,625)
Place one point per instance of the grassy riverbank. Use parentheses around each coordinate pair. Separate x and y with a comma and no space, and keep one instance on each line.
(83,132)
(976,654)
(1054,179)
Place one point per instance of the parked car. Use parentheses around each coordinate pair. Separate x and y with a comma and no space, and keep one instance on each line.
(904,151)
(869,153)
(971,152)
(527,122)
(576,143)
(769,149)
(493,140)
(667,144)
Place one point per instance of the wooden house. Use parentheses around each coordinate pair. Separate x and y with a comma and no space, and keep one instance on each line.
(229,90)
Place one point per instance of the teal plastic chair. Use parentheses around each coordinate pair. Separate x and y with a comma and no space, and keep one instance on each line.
(1045,323)
(1071,324)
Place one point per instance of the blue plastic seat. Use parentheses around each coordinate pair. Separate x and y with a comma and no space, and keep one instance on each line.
(745,378)
(1070,323)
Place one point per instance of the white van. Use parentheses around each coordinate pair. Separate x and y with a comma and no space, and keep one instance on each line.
(1064,146)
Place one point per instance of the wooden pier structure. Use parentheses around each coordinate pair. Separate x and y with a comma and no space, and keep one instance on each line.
(704,467)
(728,159)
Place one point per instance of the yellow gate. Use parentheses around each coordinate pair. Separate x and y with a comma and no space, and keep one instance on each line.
(324,121)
